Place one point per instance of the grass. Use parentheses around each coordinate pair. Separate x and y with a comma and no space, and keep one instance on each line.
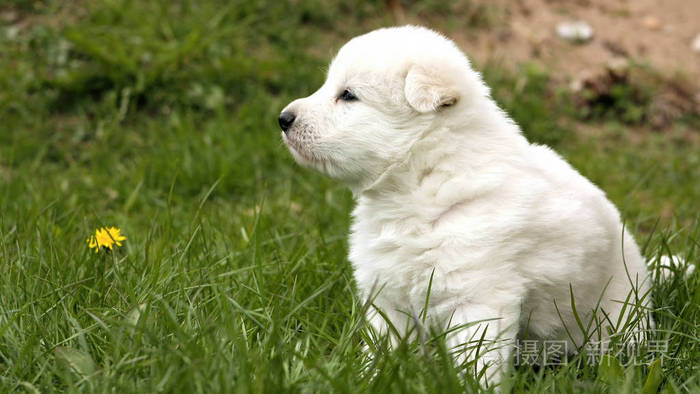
(160,118)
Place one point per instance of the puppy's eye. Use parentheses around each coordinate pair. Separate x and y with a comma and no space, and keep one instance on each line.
(347,96)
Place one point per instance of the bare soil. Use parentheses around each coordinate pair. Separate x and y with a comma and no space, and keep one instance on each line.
(657,33)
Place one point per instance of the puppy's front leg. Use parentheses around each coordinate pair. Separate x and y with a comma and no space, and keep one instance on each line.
(383,328)
(489,332)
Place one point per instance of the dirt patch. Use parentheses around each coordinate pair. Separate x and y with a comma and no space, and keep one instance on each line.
(644,30)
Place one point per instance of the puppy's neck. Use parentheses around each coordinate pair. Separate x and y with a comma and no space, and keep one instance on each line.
(457,147)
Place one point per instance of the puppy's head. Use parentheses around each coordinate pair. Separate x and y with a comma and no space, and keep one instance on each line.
(384,91)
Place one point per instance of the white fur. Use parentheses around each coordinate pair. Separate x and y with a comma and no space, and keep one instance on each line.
(446,185)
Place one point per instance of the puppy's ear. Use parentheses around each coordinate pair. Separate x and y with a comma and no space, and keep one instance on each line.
(429,90)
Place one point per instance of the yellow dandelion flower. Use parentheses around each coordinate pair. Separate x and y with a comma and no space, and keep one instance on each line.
(105,237)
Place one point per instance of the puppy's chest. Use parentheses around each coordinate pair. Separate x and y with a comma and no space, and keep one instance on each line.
(393,251)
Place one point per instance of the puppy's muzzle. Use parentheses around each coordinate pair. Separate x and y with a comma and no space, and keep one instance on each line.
(286,119)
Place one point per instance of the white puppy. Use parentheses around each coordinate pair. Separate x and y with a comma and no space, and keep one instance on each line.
(447,186)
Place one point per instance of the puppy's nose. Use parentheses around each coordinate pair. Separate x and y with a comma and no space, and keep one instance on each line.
(286,119)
